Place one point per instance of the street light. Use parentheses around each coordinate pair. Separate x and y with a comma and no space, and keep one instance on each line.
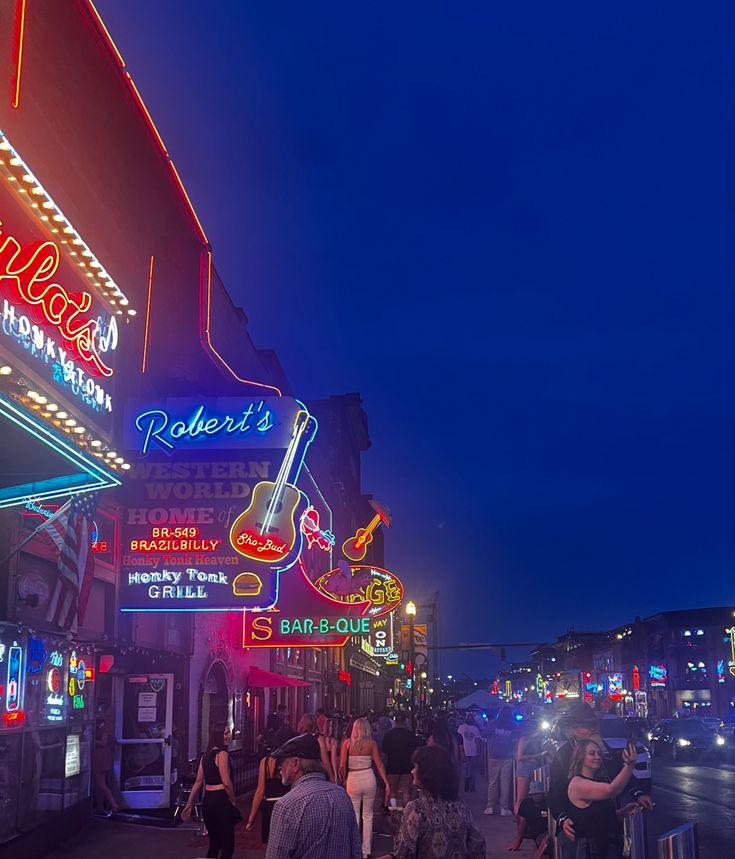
(411,614)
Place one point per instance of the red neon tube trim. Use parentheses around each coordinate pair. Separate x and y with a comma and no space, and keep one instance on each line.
(147,317)
(206,336)
(148,116)
(18,39)
(198,223)
(108,38)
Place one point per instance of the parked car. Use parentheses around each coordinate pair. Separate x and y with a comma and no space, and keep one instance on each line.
(712,723)
(617,733)
(684,738)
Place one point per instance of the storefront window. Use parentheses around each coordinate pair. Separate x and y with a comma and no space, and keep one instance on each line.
(41,776)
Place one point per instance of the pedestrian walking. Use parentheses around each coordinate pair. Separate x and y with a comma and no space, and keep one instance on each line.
(437,824)
(592,802)
(103,767)
(470,734)
(529,758)
(219,809)
(359,754)
(334,738)
(500,750)
(448,740)
(398,747)
(315,819)
(308,725)
(269,789)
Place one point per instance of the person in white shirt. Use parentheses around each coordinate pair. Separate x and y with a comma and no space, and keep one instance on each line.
(470,734)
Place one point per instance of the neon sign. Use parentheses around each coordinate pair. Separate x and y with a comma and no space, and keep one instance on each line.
(304,617)
(731,633)
(355,548)
(222,423)
(615,685)
(658,676)
(310,528)
(174,540)
(33,507)
(636,678)
(266,531)
(356,583)
(14,687)
(156,426)
(26,273)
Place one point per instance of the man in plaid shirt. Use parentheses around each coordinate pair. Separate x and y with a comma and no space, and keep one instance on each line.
(315,819)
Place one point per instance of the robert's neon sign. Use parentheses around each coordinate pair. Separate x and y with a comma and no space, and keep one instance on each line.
(26,273)
(160,429)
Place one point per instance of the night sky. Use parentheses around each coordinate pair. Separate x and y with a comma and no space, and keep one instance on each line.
(509,226)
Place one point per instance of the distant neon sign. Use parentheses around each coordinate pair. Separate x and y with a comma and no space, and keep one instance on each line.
(658,675)
(731,633)
(615,685)
(159,428)
(14,687)
(26,278)
(33,507)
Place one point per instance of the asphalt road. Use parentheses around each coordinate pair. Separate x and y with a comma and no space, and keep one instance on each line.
(701,790)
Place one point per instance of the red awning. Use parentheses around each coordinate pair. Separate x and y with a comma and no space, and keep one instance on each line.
(268,680)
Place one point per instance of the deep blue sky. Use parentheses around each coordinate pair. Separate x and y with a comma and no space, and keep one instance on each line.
(510,227)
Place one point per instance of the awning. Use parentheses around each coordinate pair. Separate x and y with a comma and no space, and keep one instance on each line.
(258,678)
(37,462)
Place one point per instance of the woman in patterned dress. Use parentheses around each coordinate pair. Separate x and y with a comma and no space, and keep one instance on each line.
(436,825)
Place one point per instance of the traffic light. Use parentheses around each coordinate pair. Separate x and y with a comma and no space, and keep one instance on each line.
(402,666)
(409,668)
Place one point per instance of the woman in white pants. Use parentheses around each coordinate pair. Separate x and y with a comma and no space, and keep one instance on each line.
(359,753)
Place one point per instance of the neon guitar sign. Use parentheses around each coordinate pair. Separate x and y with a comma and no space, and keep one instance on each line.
(26,273)
(267,530)
(356,547)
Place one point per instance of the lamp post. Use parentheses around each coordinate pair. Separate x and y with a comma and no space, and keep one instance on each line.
(411,615)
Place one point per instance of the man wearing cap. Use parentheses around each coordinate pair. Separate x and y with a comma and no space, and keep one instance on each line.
(580,723)
(315,819)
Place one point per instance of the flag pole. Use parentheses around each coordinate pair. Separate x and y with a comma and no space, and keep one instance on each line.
(37,531)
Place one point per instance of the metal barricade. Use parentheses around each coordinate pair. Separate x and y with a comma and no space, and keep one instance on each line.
(680,843)
(634,830)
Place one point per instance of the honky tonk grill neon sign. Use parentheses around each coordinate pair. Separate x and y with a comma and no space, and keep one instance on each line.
(26,277)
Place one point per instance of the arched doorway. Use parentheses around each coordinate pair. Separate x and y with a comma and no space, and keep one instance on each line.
(215,701)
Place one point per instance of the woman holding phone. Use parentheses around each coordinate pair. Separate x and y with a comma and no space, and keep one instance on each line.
(595,818)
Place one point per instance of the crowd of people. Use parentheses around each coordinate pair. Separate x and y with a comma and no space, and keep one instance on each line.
(321,782)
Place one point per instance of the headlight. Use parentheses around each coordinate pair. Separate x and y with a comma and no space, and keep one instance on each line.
(545,726)
(682,742)
(650,735)
(719,741)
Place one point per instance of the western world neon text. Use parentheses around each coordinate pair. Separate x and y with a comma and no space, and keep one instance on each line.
(158,428)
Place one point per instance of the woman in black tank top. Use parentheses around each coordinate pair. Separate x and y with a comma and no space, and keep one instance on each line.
(592,801)
(218,804)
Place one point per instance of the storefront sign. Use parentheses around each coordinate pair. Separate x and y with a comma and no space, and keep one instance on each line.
(304,617)
(14,679)
(731,633)
(51,319)
(381,635)
(658,676)
(357,583)
(223,423)
(636,678)
(615,686)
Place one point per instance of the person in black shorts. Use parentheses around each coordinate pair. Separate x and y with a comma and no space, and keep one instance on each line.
(398,746)
(533,821)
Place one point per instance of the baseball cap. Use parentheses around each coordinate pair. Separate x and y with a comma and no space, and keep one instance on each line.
(300,746)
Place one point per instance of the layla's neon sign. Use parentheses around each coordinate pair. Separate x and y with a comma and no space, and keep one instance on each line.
(26,273)
(357,583)
(158,428)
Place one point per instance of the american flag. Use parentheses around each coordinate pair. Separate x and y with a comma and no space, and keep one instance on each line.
(76,564)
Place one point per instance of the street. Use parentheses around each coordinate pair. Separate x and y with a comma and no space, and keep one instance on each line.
(701,791)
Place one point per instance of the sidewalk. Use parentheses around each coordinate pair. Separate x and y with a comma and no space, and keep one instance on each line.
(117,840)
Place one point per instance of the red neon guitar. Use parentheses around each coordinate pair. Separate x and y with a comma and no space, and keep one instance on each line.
(267,530)
(356,547)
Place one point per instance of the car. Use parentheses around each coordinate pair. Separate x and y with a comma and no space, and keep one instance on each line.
(712,723)
(683,738)
(617,733)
